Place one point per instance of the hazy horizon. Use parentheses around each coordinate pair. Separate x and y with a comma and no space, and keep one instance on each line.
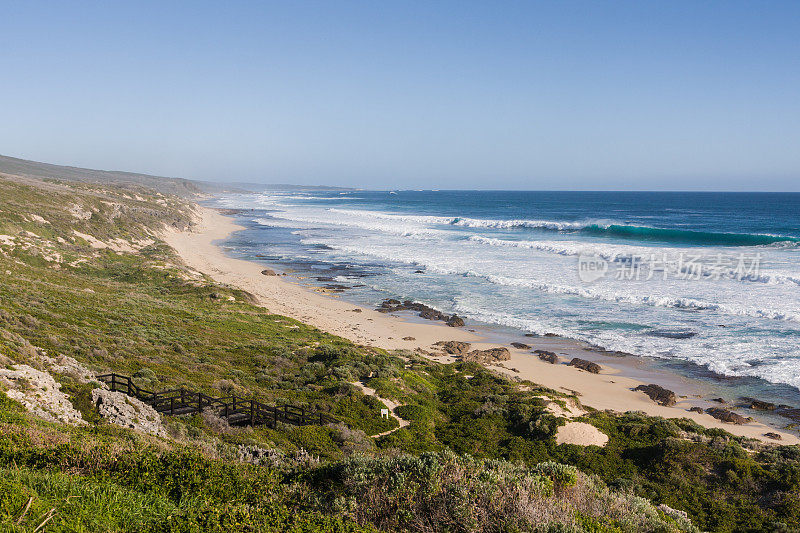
(567,96)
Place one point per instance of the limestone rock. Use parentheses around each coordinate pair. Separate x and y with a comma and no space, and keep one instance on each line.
(39,393)
(126,411)
(492,355)
(453,347)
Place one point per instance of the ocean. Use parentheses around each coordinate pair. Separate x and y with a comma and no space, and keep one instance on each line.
(710,279)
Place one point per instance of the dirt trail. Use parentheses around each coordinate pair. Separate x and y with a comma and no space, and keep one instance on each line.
(388,403)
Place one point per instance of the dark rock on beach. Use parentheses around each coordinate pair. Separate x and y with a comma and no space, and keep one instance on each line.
(453,347)
(760,405)
(658,394)
(455,321)
(427,312)
(696,409)
(718,400)
(544,355)
(583,364)
(268,272)
(492,355)
(520,345)
(726,415)
(773,436)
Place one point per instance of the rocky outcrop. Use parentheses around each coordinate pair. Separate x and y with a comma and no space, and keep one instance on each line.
(39,393)
(726,415)
(549,357)
(773,436)
(63,364)
(492,355)
(520,346)
(122,410)
(453,347)
(658,394)
(583,364)
(760,405)
(391,305)
(696,409)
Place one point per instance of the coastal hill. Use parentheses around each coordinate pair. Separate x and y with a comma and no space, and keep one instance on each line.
(90,287)
(175,186)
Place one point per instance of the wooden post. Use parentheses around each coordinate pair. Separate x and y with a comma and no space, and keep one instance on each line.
(172,405)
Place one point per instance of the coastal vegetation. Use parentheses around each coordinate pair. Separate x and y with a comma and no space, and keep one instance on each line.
(86,276)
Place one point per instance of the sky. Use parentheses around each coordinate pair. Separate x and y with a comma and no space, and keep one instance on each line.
(654,95)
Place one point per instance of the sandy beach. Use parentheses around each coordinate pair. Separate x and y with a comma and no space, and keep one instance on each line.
(607,390)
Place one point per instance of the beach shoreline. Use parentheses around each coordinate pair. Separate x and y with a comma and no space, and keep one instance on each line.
(610,389)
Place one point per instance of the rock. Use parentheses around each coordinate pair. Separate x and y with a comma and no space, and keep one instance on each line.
(492,355)
(696,409)
(531,335)
(123,410)
(752,403)
(658,394)
(63,364)
(39,393)
(453,347)
(427,312)
(726,415)
(419,272)
(520,346)
(544,355)
(455,321)
(268,272)
(409,339)
(583,364)
(356,310)
(718,400)
(551,334)
(773,436)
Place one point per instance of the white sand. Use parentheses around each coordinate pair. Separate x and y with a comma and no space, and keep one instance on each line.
(607,390)
(580,433)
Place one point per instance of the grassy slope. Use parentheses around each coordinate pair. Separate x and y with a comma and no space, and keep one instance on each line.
(144,314)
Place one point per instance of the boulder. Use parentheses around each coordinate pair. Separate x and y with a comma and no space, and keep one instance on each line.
(658,394)
(520,346)
(696,409)
(544,355)
(123,410)
(453,347)
(726,415)
(455,321)
(760,405)
(492,355)
(583,364)
(773,436)
(268,272)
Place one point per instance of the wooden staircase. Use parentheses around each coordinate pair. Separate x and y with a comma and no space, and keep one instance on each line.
(237,411)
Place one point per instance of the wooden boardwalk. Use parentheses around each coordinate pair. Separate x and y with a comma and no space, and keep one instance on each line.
(237,411)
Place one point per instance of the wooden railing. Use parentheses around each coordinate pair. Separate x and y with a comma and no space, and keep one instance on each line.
(236,410)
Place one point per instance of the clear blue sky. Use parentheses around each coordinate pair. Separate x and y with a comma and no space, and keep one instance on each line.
(518,95)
